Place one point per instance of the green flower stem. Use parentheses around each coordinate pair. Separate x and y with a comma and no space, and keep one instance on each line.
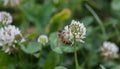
(75,55)
(19,55)
(16,59)
(41,52)
(97,18)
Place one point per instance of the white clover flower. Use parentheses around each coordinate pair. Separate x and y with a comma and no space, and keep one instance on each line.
(109,50)
(12,3)
(9,35)
(78,30)
(67,32)
(5,18)
(75,30)
(43,39)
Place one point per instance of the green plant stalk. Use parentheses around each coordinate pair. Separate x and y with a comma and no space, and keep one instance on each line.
(19,53)
(75,55)
(16,59)
(41,52)
(96,17)
(20,56)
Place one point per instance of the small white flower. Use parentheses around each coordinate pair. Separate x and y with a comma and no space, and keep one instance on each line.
(9,35)
(5,18)
(12,3)
(75,30)
(109,50)
(111,46)
(78,30)
(43,39)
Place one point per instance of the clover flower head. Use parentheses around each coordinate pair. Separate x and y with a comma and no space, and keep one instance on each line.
(5,18)
(109,50)
(43,39)
(9,36)
(75,30)
(12,3)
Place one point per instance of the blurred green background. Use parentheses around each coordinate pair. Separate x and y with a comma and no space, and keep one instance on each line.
(101,18)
